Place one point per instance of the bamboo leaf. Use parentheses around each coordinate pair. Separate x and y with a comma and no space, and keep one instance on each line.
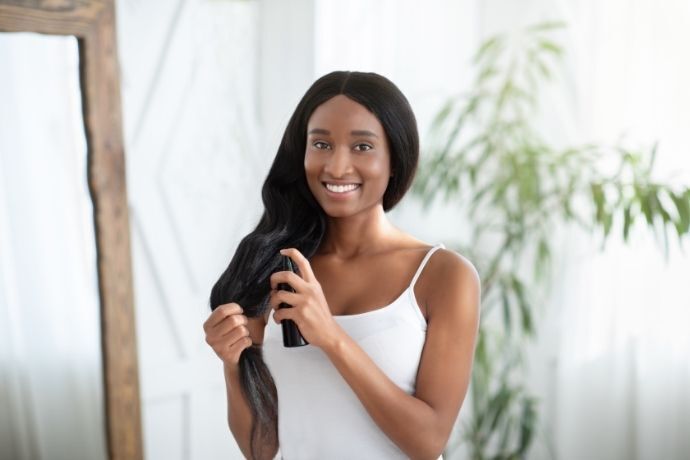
(651,201)
(442,115)
(498,405)
(481,354)
(608,222)
(505,302)
(477,198)
(528,423)
(652,157)
(597,192)
(543,68)
(472,173)
(627,221)
(543,257)
(665,216)
(641,197)
(550,47)
(505,437)
(490,45)
(525,310)
(682,204)
(546,26)
(486,74)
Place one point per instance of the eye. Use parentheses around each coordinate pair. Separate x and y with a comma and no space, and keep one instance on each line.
(363,147)
(320,145)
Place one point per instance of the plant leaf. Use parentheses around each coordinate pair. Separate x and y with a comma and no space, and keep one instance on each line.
(525,310)
(682,204)
(505,302)
(627,221)
(528,421)
(550,47)
(492,44)
(545,26)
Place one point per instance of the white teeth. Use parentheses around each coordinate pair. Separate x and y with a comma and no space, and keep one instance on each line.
(341,188)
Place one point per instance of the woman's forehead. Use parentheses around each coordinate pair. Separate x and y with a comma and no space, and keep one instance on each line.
(342,113)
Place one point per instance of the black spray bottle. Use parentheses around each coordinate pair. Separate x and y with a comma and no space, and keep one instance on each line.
(291,334)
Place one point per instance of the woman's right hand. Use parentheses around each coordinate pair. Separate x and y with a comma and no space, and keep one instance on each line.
(227,333)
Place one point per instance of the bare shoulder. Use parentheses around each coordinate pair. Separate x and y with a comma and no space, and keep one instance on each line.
(449,264)
(452,282)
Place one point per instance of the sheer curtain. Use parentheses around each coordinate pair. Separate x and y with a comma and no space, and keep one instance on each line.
(617,380)
(51,397)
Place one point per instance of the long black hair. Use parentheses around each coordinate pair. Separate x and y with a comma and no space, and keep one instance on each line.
(293,218)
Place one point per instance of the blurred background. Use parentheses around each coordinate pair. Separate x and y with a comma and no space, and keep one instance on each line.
(555,155)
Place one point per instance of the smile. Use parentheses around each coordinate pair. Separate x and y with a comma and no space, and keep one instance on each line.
(341,189)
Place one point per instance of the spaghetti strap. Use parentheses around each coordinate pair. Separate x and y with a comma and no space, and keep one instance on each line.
(424,261)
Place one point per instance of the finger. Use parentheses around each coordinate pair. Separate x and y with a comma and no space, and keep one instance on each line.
(284,313)
(236,334)
(228,324)
(293,279)
(302,263)
(278,297)
(233,352)
(222,312)
(222,340)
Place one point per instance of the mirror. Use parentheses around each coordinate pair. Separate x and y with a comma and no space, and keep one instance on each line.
(68,362)
(52,396)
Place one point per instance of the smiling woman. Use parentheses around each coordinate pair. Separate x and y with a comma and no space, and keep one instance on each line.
(346,162)
(390,321)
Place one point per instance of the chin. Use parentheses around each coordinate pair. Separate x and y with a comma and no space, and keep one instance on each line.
(338,211)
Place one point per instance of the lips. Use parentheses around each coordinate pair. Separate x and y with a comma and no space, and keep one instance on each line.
(341,189)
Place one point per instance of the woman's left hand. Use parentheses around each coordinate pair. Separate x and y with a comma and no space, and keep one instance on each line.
(309,307)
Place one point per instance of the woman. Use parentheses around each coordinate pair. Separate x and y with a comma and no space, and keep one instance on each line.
(391,329)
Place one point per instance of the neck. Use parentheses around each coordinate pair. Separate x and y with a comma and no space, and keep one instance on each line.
(366,232)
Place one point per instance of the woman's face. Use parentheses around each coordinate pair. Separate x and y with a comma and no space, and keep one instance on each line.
(347,162)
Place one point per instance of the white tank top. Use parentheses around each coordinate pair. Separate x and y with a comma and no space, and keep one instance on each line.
(319,416)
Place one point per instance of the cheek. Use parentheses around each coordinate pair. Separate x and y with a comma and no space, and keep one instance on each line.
(312,169)
(379,169)
(311,165)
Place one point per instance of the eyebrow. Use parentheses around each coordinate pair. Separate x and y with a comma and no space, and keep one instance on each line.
(358,132)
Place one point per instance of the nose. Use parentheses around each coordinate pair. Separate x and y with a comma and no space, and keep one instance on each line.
(339,163)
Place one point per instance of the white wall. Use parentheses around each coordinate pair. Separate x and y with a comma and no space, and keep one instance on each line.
(208,87)
(194,162)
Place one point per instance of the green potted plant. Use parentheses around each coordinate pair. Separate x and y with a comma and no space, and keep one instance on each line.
(486,157)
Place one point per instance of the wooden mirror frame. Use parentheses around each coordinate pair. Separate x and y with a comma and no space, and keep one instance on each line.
(93,24)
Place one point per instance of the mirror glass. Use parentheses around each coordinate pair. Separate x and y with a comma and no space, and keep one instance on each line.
(51,381)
